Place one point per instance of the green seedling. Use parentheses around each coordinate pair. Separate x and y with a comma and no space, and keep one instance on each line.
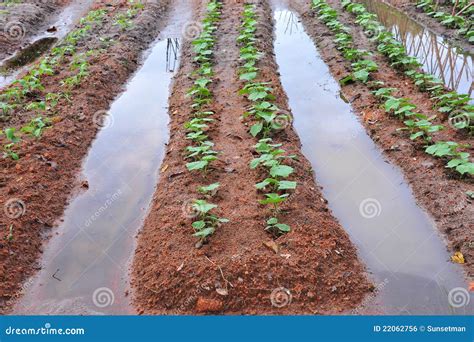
(277,228)
(207,223)
(210,189)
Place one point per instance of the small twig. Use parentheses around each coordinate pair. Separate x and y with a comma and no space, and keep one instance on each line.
(54,275)
(465,8)
(222,273)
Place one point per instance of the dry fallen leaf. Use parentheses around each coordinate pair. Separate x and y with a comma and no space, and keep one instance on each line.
(272,245)
(458,258)
(164,168)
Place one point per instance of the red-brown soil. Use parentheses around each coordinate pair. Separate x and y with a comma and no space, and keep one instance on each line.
(235,272)
(46,175)
(437,189)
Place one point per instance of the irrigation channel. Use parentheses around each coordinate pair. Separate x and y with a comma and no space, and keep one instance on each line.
(12,66)
(395,237)
(85,267)
(451,64)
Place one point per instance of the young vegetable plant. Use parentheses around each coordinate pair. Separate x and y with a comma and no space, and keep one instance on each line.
(208,222)
(458,160)
(8,151)
(209,190)
(277,228)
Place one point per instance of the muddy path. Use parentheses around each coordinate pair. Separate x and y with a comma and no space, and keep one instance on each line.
(439,192)
(316,266)
(419,15)
(21,22)
(35,189)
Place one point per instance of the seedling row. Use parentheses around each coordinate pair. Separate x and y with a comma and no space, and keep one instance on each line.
(461,20)
(28,92)
(200,153)
(418,124)
(267,121)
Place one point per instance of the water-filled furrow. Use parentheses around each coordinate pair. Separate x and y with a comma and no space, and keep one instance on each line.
(85,266)
(396,239)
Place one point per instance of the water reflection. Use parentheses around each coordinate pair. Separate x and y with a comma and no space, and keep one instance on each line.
(172,48)
(452,65)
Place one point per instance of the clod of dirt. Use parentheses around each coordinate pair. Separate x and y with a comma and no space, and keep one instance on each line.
(208,305)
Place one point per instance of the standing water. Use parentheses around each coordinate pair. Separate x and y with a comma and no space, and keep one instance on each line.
(450,64)
(85,267)
(396,239)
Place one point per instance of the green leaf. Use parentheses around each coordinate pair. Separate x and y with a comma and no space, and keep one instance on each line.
(286,185)
(257,95)
(10,134)
(466,168)
(205,232)
(248,76)
(203,206)
(199,225)
(281,171)
(274,198)
(272,221)
(283,227)
(198,165)
(362,75)
(209,188)
(257,128)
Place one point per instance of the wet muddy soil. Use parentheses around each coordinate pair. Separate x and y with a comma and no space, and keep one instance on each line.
(45,177)
(441,193)
(19,23)
(313,270)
